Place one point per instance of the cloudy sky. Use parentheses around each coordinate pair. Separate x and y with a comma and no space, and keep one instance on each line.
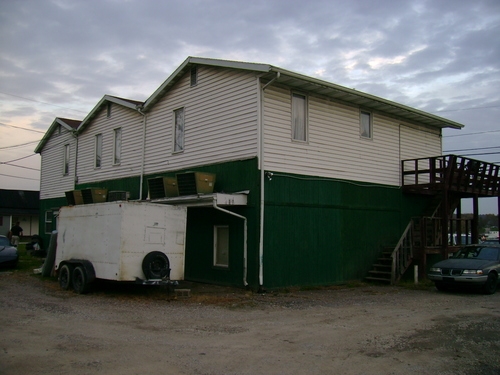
(58,58)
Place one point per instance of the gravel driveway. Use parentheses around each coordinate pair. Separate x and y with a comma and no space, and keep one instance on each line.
(136,330)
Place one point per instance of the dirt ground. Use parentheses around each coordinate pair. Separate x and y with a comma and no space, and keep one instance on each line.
(365,329)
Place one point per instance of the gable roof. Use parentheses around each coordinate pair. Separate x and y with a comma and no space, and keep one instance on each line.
(305,83)
(128,103)
(68,124)
(19,202)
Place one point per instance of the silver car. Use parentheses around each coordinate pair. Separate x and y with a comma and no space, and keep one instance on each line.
(472,265)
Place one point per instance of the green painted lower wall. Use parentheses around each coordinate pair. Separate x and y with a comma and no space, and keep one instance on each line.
(320,231)
(316,231)
(51,205)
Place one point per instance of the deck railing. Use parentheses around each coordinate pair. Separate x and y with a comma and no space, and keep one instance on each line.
(451,172)
(402,255)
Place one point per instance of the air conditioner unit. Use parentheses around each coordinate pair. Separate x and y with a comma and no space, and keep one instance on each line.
(94,195)
(114,196)
(192,183)
(74,197)
(160,187)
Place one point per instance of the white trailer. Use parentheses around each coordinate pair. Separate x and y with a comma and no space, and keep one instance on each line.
(121,241)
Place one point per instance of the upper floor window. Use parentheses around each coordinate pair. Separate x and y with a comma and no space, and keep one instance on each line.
(179,130)
(98,151)
(194,76)
(299,117)
(365,124)
(108,110)
(117,151)
(66,160)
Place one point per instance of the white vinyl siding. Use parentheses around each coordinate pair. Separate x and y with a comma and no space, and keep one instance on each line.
(131,124)
(52,183)
(221,118)
(334,148)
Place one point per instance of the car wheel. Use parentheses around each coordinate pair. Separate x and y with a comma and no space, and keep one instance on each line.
(65,277)
(156,265)
(491,284)
(441,286)
(80,280)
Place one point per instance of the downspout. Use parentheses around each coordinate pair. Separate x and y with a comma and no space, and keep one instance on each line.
(143,157)
(245,246)
(262,179)
(75,178)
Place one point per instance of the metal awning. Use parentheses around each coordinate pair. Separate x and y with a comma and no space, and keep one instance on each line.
(206,200)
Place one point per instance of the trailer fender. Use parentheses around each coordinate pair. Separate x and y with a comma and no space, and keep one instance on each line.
(156,265)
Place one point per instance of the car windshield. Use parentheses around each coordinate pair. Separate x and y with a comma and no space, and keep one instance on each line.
(481,253)
(4,241)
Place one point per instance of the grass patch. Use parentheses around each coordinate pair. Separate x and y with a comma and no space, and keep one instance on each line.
(27,262)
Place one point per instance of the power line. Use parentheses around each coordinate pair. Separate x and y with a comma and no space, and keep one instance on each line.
(24,157)
(20,166)
(461,135)
(18,127)
(472,149)
(19,145)
(22,178)
(38,101)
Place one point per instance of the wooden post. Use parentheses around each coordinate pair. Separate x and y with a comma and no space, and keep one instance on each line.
(475,220)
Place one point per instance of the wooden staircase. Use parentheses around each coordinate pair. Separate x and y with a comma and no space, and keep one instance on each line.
(382,270)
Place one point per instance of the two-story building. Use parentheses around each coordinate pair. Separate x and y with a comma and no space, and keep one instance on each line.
(308,175)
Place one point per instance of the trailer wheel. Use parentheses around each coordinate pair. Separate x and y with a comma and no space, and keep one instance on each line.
(80,280)
(65,277)
(156,265)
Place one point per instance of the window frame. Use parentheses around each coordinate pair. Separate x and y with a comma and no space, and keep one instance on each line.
(217,254)
(193,76)
(48,220)
(98,151)
(293,119)
(117,147)
(66,160)
(178,148)
(362,129)
(108,109)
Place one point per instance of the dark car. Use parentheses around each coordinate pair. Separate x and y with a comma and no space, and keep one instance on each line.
(477,265)
(8,253)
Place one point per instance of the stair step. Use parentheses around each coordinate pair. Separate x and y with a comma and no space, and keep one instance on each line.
(383,267)
(380,272)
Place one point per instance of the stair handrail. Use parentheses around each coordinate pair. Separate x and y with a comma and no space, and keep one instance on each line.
(402,254)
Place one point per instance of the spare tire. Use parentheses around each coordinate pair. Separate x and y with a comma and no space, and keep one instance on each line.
(156,265)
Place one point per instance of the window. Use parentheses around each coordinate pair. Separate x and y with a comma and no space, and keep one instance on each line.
(365,123)
(66,160)
(179,130)
(117,146)
(299,126)
(108,110)
(221,246)
(48,221)
(194,76)
(98,150)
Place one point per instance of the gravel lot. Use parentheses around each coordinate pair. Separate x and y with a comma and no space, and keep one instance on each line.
(142,330)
